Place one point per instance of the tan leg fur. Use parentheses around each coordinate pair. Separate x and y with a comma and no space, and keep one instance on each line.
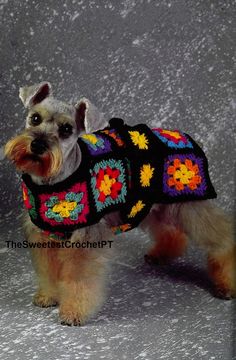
(70,277)
(206,225)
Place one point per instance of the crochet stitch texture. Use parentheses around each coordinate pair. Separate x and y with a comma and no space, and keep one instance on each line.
(124,168)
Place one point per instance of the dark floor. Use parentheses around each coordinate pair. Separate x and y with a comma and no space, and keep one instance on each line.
(165,63)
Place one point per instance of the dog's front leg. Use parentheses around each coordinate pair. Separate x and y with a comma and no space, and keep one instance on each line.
(45,264)
(81,284)
(47,268)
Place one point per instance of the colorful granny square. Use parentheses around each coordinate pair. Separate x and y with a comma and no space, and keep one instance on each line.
(173,139)
(108,183)
(184,174)
(96,144)
(67,207)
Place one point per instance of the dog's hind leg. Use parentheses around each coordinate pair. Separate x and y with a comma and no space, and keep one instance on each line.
(169,240)
(203,223)
(212,230)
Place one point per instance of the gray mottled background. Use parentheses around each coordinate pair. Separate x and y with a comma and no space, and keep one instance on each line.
(166,63)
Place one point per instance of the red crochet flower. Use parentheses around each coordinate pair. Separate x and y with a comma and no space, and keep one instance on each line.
(107,184)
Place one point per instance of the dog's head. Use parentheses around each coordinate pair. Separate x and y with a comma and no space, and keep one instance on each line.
(51,131)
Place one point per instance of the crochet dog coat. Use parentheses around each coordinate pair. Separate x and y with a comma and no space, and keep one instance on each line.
(124,168)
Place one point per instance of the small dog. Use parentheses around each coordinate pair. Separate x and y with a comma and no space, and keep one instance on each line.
(74,278)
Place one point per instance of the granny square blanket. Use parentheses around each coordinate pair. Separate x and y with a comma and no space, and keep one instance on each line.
(123,168)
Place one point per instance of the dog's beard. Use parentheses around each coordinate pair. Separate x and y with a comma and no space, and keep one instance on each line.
(46,165)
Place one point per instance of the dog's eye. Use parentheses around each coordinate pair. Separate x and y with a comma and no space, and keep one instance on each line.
(36,119)
(65,130)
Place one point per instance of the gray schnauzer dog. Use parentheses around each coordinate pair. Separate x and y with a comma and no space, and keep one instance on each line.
(74,278)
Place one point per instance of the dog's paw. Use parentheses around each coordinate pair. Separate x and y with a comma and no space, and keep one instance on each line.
(43,300)
(70,317)
(224,294)
(71,322)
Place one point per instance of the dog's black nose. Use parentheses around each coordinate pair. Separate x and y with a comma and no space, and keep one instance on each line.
(38,146)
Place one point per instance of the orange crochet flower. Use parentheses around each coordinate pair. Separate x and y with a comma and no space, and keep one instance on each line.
(184,174)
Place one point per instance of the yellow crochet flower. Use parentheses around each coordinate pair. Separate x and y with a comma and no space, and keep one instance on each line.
(106,185)
(139,140)
(184,174)
(136,208)
(146,173)
(91,138)
(64,208)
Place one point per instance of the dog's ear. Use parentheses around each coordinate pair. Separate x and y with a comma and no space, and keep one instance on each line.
(32,95)
(88,117)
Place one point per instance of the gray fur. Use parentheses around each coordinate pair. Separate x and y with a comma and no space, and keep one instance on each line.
(93,120)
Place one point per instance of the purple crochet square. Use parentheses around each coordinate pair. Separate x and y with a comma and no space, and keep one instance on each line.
(96,144)
(184,175)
